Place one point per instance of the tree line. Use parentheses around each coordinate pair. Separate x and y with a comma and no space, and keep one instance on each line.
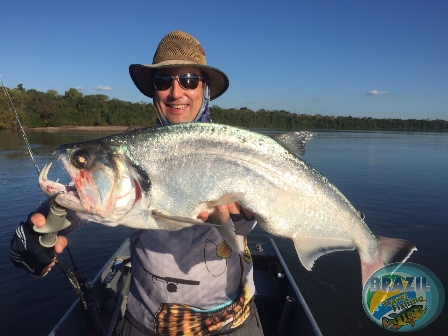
(73,108)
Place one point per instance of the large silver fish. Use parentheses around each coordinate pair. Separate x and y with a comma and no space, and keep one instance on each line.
(162,177)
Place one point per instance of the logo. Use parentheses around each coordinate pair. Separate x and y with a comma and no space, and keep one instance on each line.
(404,297)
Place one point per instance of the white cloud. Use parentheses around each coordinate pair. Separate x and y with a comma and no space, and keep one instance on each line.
(103,88)
(79,88)
(376,92)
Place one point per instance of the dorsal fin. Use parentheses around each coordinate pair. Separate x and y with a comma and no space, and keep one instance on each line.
(295,141)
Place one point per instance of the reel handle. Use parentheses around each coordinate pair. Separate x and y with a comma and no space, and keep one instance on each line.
(55,222)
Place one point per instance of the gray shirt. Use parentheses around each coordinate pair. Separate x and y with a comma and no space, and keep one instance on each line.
(192,269)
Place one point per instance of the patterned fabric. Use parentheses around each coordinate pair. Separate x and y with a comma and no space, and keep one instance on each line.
(204,112)
(128,326)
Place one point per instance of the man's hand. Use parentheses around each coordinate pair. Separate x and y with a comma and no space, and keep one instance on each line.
(26,251)
(38,220)
(223,212)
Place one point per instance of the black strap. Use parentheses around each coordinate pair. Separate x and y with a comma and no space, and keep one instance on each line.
(72,278)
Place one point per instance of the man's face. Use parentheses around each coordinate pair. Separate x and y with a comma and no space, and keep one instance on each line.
(178,105)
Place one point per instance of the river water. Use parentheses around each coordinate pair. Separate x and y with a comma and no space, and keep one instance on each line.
(398,179)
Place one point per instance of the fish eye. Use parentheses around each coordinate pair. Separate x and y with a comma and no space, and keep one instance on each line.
(80,159)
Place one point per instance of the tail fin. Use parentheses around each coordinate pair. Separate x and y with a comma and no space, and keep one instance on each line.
(391,251)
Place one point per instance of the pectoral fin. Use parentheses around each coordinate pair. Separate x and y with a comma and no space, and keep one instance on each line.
(223,200)
(411,321)
(168,220)
(227,231)
(310,249)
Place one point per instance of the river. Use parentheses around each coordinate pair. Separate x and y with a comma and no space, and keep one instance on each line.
(398,179)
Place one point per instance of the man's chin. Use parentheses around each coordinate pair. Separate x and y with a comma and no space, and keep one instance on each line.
(179,118)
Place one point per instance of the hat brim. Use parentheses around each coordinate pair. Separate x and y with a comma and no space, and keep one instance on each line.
(142,75)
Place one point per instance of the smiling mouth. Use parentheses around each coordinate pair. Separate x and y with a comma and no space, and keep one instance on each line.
(178,106)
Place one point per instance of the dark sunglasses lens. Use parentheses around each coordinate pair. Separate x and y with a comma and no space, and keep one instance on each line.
(163,83)
(189,81)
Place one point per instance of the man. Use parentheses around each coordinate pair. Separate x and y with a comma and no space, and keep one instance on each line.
(211,288)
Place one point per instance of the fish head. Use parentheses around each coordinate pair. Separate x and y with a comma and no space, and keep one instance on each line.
(108,185)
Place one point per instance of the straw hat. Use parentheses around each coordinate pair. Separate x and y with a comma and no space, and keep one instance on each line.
(175,50)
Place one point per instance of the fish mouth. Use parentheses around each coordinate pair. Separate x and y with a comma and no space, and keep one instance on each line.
(89,205)
(49,187)
(68,195)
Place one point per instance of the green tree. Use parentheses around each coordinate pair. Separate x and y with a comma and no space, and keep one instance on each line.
(36,109)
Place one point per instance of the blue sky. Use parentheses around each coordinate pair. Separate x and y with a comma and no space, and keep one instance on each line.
(382,59)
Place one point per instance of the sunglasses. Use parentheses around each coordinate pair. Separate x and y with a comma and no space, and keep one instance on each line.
(187,81)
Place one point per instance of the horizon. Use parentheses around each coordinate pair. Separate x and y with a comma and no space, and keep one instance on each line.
(383,60)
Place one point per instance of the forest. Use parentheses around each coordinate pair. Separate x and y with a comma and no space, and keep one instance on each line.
(73,108)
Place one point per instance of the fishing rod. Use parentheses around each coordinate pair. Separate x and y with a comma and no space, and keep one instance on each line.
(56,218)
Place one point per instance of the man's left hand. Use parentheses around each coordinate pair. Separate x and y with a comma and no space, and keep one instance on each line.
(223,212)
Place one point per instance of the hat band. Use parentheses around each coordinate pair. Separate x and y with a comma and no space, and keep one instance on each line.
(173,62)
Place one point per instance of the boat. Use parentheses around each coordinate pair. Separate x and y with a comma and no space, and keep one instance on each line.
(281,307)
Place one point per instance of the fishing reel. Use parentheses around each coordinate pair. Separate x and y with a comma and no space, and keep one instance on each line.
(56,221)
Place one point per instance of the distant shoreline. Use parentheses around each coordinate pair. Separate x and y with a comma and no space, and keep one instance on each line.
(84,128)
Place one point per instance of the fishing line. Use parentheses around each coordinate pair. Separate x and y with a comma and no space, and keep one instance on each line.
(66,270)
(28,147)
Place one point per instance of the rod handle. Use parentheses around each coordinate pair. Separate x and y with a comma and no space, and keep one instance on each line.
(56,221)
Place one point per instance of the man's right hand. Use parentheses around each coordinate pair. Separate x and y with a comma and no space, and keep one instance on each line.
(28,253)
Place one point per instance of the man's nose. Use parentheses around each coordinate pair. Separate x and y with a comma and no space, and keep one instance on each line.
(176,91)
